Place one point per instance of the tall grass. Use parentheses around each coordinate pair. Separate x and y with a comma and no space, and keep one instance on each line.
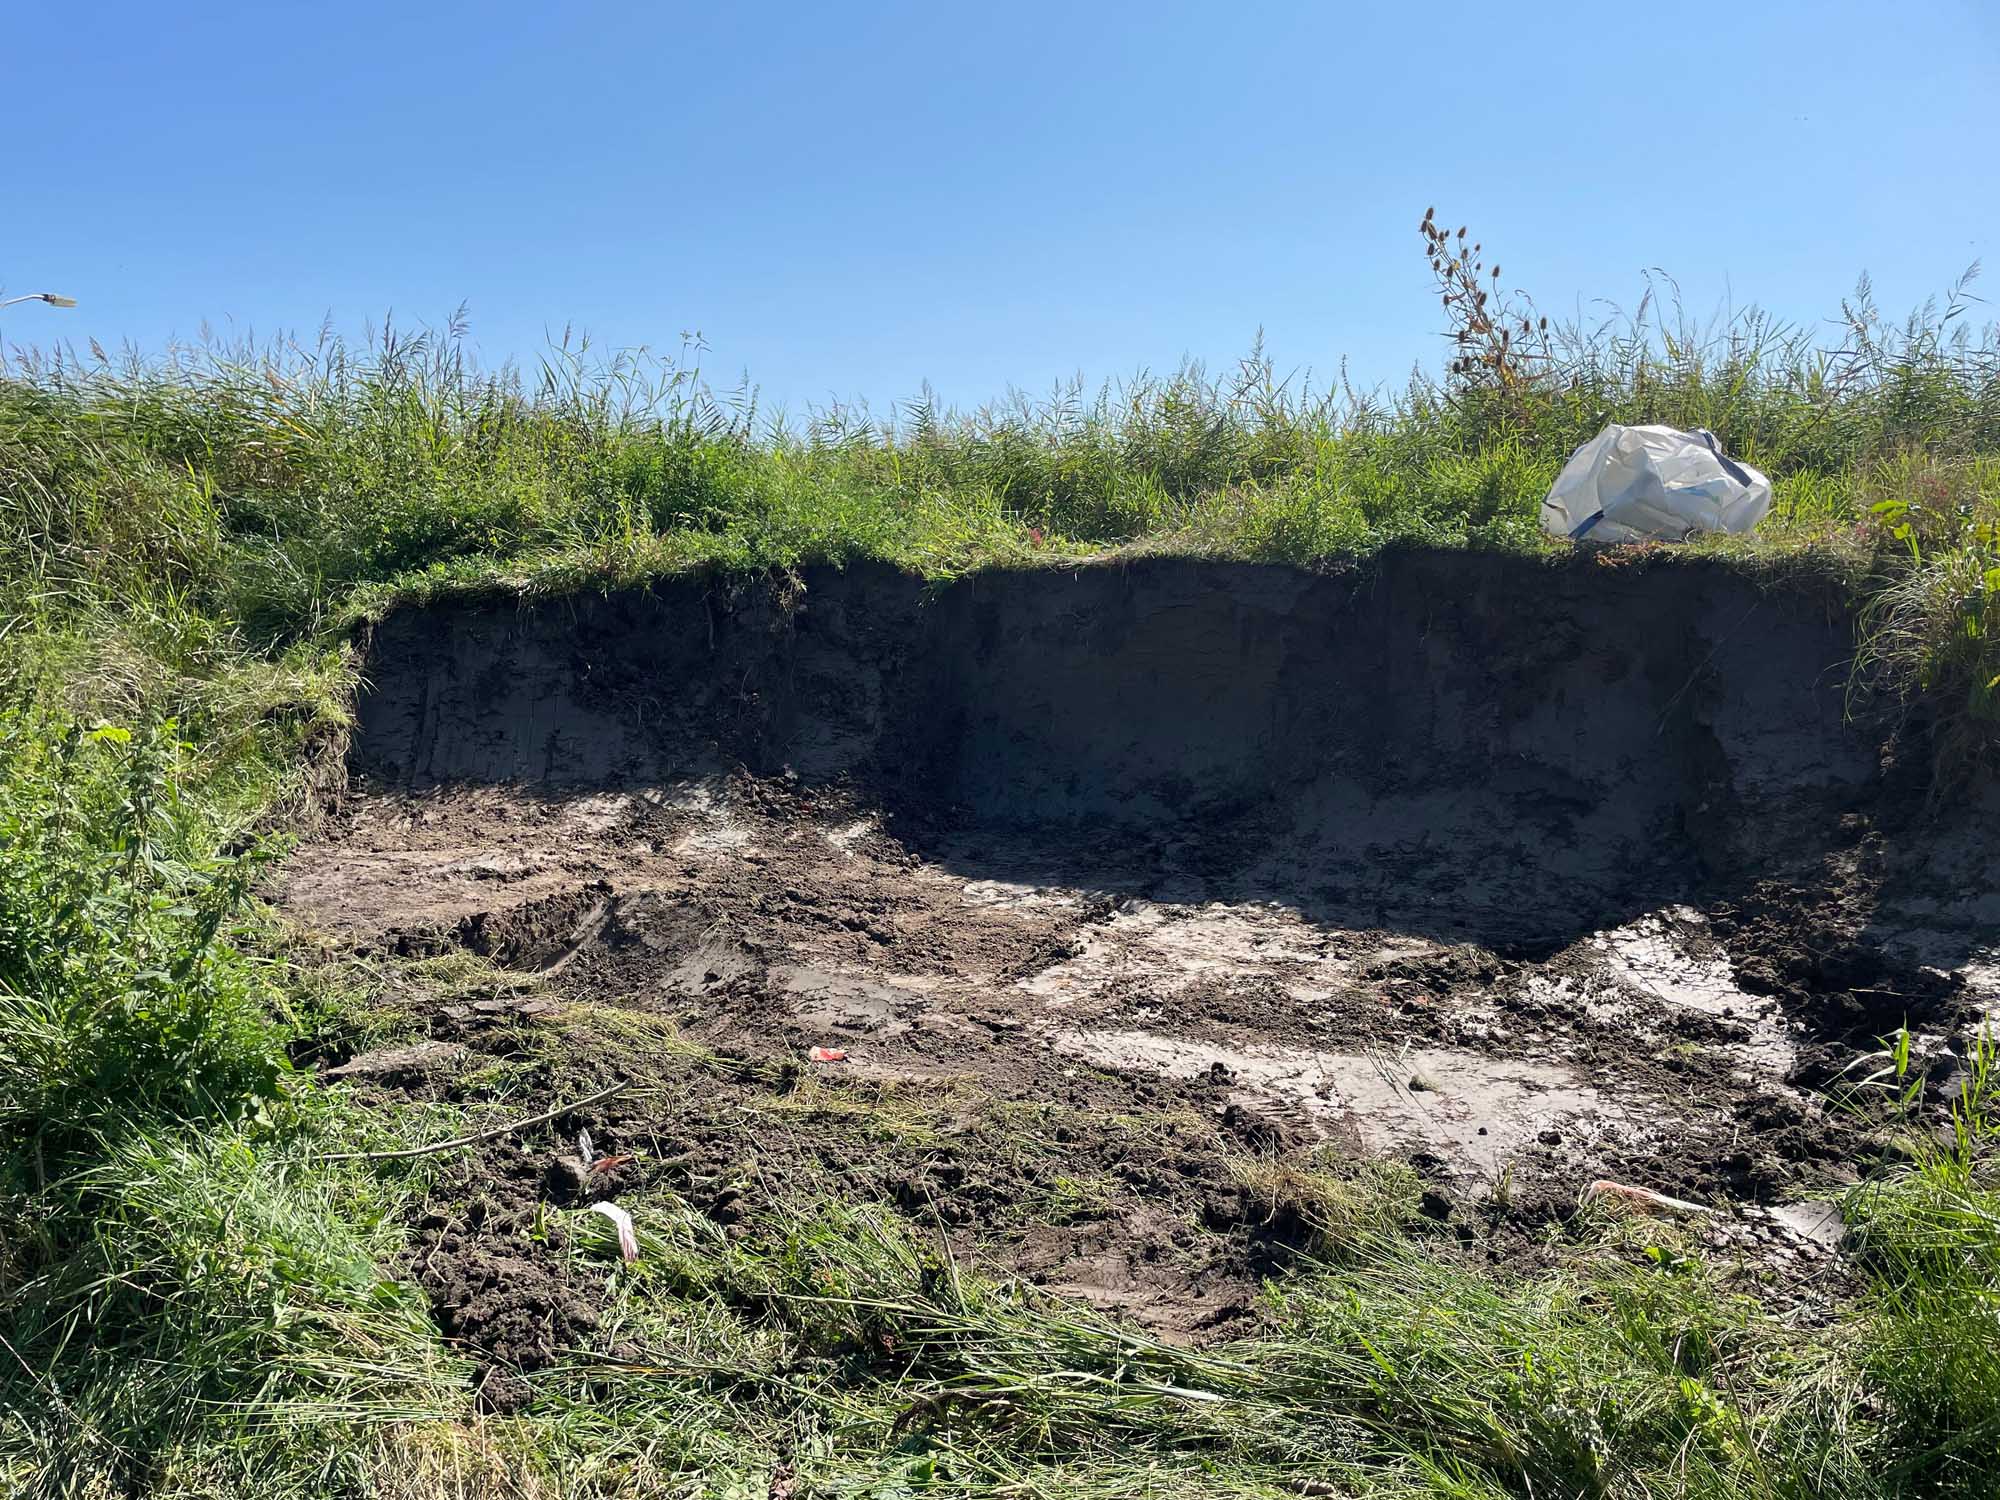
(166,522)
(250,491)
(263,481)
(119,993)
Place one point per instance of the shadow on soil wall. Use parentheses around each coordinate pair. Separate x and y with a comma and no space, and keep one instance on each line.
(1470,747)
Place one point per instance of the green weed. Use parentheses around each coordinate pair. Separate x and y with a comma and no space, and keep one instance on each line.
(120,994)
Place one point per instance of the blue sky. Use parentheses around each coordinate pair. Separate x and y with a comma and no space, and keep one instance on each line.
(849,200)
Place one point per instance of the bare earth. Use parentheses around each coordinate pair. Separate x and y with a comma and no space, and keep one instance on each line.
(1103,884)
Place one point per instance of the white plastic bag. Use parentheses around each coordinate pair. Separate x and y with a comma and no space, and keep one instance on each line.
(1653,484)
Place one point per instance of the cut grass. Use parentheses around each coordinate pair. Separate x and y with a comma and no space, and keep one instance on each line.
(207,1308)
(1344,1208)
(194,1303)
(856,1356)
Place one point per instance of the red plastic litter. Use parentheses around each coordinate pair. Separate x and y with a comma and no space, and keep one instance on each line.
(828,1054)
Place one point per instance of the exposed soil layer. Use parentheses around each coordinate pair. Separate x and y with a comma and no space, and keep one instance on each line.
(1104,888)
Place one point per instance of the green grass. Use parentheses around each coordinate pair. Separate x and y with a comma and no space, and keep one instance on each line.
(192,1303)
(184,516)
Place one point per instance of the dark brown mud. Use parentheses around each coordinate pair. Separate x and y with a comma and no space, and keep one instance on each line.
(1110,885)
(1487,747)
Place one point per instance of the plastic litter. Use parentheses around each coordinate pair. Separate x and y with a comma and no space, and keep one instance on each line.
(1643,1199)
(827,1055)
(628,1240)
(1653,484)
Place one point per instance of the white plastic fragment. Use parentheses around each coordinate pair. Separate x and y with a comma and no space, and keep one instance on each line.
(628,1240)
(1653,484)
(1643,1199)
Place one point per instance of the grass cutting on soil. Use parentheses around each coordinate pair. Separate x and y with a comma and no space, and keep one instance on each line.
(1165,943)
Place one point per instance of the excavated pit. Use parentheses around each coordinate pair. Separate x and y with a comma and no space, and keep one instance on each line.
(1529,873)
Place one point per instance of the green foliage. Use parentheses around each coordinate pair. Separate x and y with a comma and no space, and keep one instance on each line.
(1929,1234)
(204,1318)
(157,1263)
(190,1303)
(1931,633)
(264,491)
(261,485)
(120,995)
(1399,1371)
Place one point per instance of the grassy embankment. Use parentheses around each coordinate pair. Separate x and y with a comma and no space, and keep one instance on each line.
(193,1302)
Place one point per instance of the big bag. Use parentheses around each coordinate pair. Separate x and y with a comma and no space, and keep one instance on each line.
(1653,484)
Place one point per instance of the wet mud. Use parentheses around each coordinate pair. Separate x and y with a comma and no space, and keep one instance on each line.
(1101,885)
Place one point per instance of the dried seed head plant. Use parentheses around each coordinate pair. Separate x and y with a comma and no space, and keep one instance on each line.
(1499,341)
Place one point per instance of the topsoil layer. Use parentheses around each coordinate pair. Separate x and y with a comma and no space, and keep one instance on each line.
(1116,879)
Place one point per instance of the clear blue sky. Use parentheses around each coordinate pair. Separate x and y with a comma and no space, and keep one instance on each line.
(850,199)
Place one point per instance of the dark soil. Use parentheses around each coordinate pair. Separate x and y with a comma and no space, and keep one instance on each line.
(1107,885)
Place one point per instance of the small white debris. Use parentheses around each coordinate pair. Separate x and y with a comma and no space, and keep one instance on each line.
(1643,1199)
(628,1241)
